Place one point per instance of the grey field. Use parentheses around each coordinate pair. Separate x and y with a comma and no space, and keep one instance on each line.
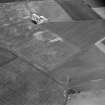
(59,61)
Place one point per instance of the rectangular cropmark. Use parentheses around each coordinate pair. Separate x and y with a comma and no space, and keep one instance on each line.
(47,55)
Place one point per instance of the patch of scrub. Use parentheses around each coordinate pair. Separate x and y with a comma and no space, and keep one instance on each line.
(89,98)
